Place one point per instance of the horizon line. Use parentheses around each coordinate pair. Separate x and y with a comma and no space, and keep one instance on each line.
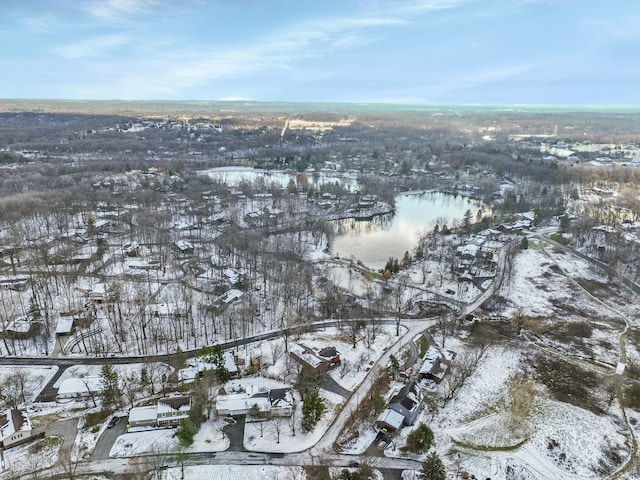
(247,102)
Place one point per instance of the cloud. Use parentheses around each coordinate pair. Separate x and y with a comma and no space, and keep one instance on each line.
(119,9)
(92,47)
(274,53)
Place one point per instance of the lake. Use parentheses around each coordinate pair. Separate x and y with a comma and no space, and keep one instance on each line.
(374,241)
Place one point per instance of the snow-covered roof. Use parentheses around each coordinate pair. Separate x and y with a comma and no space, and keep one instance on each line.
(143,414)
(70,387)
(174,404)
(391,418)
(64,325)
(431,361)
(199,365)
(231,295)
(275,399)
(241,402)
(305,355)
(468,249)
(188,374)
(184,245)
(12,421)
(232,274)
(230,363)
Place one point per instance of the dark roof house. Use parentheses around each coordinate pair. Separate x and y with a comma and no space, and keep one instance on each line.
(407,402)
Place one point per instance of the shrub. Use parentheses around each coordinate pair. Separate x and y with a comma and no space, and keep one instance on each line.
(186,432)
(632,396)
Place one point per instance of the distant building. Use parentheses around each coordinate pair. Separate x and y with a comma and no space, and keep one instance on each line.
(14,283)
(184,247)
(198,366)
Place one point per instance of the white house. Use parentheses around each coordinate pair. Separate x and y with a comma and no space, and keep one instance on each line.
(168,412)
(15,428)
(172,410)
(276,402)
(80,388)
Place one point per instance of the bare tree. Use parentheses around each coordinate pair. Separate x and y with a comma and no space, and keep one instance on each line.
(69,459)
(15,388)
(400,300)
(460,371)
(277,423)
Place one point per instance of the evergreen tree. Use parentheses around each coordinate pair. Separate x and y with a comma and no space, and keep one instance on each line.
(419,440)
(312,409)
(433,468)
(180,359)
(111,391)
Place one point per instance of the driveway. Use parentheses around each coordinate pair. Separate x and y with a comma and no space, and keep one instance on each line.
(63,428)
(235,431)
(108,438)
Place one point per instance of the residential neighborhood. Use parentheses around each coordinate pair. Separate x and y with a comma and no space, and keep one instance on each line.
(312,300)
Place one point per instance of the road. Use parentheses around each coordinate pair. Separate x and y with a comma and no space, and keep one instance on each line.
(48,394)
(394,466)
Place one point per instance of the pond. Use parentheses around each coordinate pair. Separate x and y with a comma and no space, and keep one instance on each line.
(234,176)
(374,241)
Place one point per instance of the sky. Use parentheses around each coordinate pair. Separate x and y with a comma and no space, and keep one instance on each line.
(543,52)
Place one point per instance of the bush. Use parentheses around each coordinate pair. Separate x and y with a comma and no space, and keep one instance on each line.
(95,418)
(186,432)
(632,396)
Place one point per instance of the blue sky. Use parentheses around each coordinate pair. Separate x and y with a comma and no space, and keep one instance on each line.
(558,52)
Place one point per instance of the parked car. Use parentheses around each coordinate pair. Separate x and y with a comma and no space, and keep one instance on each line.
(113,422)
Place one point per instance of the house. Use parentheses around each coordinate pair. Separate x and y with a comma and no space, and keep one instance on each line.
(15,428)
(168,412)
(390,420)
(184,248)
(143,416)
(320,360)
(172,410)
(65,325)
(21,328)
(435,363)
(80,388)
(18,284)
(199,365)
(407,403)
(275,402)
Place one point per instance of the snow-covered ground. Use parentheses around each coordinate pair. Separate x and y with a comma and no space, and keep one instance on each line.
(209,438)
(234,472)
